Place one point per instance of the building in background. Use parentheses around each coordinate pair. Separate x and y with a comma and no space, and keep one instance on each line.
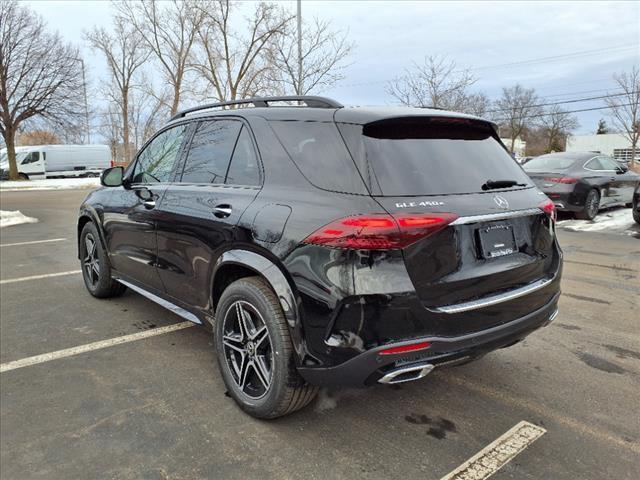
(613,144)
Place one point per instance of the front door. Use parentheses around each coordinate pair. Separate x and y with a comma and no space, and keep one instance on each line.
(130,218)
(199,213)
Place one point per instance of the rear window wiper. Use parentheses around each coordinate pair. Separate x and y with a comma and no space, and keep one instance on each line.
(493,184)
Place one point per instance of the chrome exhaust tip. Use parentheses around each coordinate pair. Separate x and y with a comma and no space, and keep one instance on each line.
(553,315)
(407,374)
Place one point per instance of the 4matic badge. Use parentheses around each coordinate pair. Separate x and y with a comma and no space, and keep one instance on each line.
(428,203)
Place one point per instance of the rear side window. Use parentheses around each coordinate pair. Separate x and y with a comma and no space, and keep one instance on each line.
(431,156)
(244,168)
(210,151)
(594,164)
(545,163)
(321,155)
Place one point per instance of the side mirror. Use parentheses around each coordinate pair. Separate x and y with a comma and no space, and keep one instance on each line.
(112,177)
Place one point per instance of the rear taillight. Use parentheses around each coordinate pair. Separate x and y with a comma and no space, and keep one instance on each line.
(565,180)
(405,348)
(549,208)
(379,231)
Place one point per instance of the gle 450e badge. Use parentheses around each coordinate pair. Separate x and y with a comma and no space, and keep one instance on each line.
(418,204)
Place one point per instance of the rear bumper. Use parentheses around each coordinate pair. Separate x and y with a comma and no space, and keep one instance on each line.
(369,367)
(569,202)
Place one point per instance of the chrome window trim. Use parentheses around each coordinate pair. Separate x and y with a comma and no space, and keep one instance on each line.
(495,299)
(488,217)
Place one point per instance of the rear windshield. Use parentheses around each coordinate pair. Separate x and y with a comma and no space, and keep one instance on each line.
(548,162)
(430,156)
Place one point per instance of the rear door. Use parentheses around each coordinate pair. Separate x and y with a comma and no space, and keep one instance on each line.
(501,239)
(198,214)
(131,215)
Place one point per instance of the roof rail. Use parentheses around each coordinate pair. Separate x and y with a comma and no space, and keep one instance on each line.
(308,100)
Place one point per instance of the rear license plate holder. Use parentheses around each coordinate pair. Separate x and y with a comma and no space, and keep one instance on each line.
(497,241)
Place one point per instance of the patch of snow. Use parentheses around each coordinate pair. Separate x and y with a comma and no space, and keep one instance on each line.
(8,218)
(50,184)
(619,220)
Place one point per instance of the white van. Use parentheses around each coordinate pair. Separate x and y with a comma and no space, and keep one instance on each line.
(50,161)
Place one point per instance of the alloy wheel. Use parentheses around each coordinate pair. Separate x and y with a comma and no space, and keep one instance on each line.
(592,204)
(91,262)
(247,349)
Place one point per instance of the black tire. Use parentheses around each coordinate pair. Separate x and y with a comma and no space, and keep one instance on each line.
(591,206)
(96,271)
(282,390)
(636,214)
(23,176)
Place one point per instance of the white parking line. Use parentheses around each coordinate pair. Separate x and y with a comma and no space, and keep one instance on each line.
(37,277)
(67,352)
(498,453)
(32,243)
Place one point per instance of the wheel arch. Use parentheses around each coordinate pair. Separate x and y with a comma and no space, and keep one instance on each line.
(89,214)
(238,263)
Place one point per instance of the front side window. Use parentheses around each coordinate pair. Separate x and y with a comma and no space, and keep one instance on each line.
(156,162)
(609,164)
(31,157)
(210,151)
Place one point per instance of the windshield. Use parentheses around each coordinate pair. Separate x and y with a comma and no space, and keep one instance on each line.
(431,156)
(548,162)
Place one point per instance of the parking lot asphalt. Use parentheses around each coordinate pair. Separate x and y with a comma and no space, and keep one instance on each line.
(156,407)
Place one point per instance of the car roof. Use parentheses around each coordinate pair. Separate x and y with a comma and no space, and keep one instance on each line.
(573,155)
(357,115)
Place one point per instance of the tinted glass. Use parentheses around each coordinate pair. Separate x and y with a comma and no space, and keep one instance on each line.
(321,155)
(548,162)
(156,162)
(244,169)
(31,157)
(427,156)
(210,151)
(594,164)
(609,164)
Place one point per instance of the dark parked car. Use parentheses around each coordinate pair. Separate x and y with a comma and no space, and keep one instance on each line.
(636,203)
(582,182)
(327,245)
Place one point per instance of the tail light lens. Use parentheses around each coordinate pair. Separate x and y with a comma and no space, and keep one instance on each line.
(549,208)
(565,180)
(379,231)
(405,349)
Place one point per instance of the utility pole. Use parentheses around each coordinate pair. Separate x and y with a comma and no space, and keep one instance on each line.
(86,105)
(299,18)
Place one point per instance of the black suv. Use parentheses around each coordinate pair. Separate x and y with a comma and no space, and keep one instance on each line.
(327,245)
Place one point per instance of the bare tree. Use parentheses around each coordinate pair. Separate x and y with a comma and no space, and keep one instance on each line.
(125,53)
(323,57)
(110,128)
(515,110)
(169,30)
(625,108)
(435,83)
(147,111)
(40,75)
(38,137)
(555,125)
(476,104)
(237,65)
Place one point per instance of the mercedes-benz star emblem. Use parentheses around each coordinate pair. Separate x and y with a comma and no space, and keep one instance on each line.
(501,201)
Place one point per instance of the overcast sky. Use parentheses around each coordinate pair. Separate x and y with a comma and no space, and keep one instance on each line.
(589,40)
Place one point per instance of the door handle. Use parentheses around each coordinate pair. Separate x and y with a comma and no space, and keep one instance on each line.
(222,211)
